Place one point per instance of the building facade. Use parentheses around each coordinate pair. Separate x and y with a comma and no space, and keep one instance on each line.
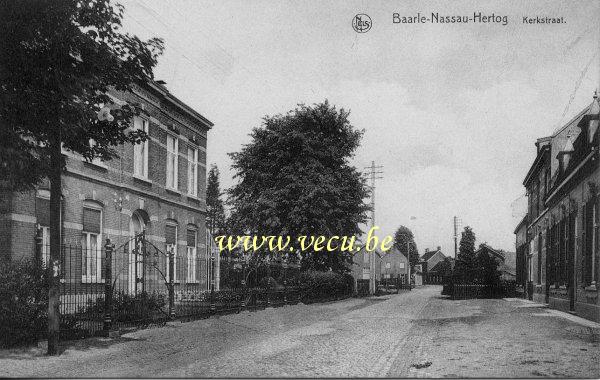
(389,265)
(156,187)
(521,257)
(562,223)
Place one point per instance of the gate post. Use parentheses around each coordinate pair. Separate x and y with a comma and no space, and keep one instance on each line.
(213,307)
(108,291)
(269,282)
(243,303)
(171,284)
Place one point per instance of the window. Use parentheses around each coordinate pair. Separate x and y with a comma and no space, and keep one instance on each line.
(192,156)
(140,151)
(171,242)
(401,265)
(96,161)
(366,257)
(42,211)
(91,243)
(590,242)
(45,245)
(539,259)
(388,265)
(172,161)
(191,255)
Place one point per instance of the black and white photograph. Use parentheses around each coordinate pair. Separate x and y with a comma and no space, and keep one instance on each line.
(299,189)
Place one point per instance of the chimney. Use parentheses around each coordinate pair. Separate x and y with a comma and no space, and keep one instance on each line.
(426,250)
(594,114)
(439,248)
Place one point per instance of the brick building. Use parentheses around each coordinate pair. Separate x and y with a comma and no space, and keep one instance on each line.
(389,265)
(157,187)
(561,262)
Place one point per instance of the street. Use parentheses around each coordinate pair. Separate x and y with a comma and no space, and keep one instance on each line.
(412,334)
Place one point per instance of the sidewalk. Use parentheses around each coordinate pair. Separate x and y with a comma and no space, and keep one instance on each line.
(558,313)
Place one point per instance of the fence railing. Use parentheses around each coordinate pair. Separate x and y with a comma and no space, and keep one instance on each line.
(104,288)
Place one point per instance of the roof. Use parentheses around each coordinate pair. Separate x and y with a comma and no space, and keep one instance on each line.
(496,252)
(164,92)
(521,223)
(539,159)
(429,254)
(581,150)
(436,266)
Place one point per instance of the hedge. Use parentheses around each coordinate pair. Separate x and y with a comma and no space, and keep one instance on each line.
(323,286)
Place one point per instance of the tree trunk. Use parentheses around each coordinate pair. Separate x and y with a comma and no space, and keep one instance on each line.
(55,246)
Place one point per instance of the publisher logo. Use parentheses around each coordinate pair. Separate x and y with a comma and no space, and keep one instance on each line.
(361,23)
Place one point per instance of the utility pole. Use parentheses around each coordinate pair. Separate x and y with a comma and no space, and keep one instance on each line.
(457,222)
(374,173)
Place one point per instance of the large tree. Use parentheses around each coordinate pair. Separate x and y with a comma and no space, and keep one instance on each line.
(215,210)
(465,269)
(404,241)
(294,179)
(58,61)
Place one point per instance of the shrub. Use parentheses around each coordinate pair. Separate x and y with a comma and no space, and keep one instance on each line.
(129,307)
(23,303)
(319,286)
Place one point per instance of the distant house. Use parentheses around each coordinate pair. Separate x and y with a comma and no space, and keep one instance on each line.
(417,275)
(388,265)
(391,264)
(430,259)
(507,261)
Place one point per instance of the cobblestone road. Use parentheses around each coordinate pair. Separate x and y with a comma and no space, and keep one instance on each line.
(415,334)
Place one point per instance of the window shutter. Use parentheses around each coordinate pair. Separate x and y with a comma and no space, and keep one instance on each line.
(91,220)
(170,232)
(588,227)
(42,211)
(191,238)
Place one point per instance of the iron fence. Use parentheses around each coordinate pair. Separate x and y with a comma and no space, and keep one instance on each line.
(137,284)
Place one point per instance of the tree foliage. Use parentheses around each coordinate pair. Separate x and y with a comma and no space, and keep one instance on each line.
(444,268)
(404,241)
(215,210)
(465,267)
(294,179)
(58,60)
(487,268)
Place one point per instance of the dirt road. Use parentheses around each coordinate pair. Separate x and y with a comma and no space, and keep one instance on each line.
(415,334)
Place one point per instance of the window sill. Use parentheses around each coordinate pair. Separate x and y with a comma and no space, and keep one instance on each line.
(142,179)
(173,191)
(194,197)
(87,280)
(98,165)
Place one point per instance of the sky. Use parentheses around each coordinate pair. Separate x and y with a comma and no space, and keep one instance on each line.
(451,111)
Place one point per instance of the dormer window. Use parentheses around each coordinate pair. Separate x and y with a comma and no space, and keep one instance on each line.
(564,156)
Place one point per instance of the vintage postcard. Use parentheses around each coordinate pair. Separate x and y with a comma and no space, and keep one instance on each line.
(299,189)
